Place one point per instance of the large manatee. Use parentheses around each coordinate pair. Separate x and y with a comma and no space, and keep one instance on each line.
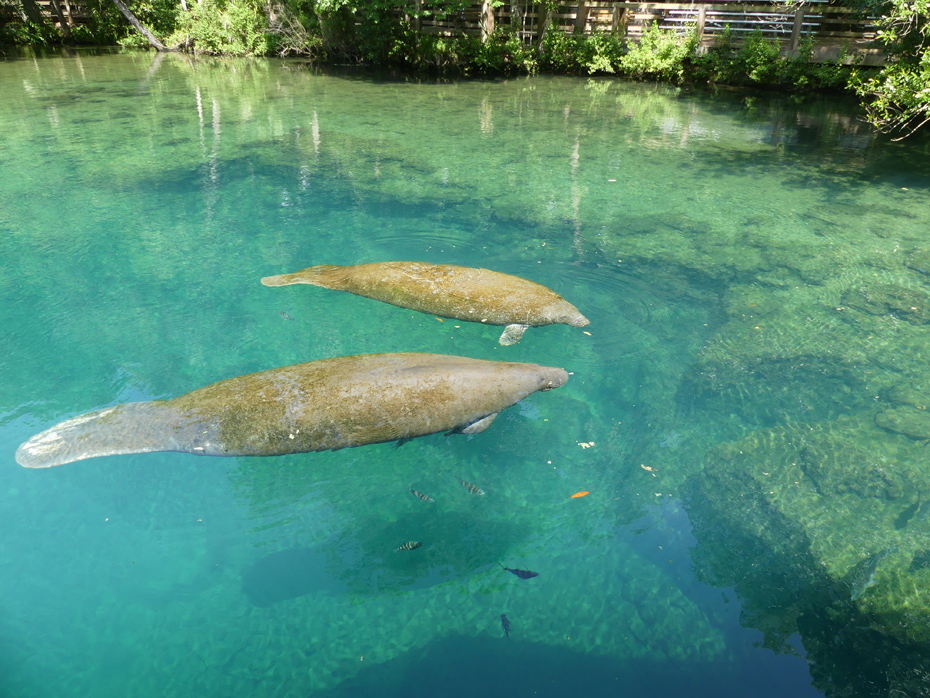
(328,404)
(463,293)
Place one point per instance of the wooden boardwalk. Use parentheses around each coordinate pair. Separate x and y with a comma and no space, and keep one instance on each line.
(835,30)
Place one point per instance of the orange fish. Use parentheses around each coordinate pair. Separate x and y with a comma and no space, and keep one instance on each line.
(579,494)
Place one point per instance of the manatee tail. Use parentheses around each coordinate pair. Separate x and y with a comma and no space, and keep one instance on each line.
(310,275)
(136,427)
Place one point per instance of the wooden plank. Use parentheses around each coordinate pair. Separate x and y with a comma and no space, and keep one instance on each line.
(737,6)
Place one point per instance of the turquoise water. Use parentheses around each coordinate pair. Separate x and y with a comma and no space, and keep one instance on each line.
(745,409)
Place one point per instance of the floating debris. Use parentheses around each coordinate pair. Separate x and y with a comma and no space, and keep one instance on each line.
(586,444)
(286,316)
(522,574)
(473,489)
(419,495)
(505,624)
(409,545)
(579,494)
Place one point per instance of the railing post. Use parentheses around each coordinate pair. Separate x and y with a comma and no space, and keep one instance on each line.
(701,19)
(487,20)
(796,32)
(617,18)
(581,17)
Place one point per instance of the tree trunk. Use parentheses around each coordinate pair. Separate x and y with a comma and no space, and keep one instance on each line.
(31,12)
(62,20)
(159,46)
(543,20)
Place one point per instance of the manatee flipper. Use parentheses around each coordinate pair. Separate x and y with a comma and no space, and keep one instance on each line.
(512,334)
(136,427)
(476,427)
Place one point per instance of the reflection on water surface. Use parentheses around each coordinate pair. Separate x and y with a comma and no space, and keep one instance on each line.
(753,385)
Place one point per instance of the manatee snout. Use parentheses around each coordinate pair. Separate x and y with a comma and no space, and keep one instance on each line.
(578,320)
(564,313)
(552,378)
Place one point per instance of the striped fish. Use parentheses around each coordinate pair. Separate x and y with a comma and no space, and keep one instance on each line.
(473,489)
(409,545)
(419,495)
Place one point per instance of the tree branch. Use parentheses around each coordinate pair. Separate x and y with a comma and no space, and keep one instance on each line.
(127,13)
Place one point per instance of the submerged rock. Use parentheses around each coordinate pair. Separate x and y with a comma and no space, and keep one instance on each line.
(905,420)
(889,299)
(837,469)
(828,512)
(905,395)
(919,261)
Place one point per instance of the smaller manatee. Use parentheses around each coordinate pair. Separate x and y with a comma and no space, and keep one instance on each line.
(462,293)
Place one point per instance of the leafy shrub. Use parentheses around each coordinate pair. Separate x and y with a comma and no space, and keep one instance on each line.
(759,59)
(560,52)
(563,53)
(503,52)
(759,62)
(234,28)
(660,53)
(718,63)
(602,53)
(32,34)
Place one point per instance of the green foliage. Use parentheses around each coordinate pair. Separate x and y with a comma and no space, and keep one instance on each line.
(758,62)
(563,53)
(501,53)
(759,59)
(898,98)
(232,27)
(560,52)
(661,54)
(718,63)
(899,95)
(602,53)
(33,34)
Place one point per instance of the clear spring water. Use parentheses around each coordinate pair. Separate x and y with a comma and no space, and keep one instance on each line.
(754,274)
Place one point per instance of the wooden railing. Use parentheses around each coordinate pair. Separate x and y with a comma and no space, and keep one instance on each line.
(74,12)
(835,31)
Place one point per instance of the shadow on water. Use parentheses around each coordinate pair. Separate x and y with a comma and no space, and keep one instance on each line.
(453,544)
(456,667)
(288,574)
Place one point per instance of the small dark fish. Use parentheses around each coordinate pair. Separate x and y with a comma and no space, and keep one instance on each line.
(522,574)
(505,624)
(285,316)
(473,489)
(862,577)
(905,516)
(419,495)
(409,545)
